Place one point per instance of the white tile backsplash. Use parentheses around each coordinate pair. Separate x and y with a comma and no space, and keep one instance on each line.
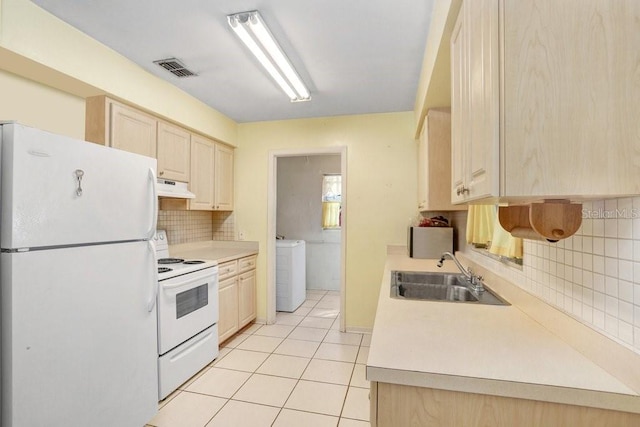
(594,275)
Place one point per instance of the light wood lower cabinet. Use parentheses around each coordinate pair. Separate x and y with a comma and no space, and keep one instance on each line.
(399,405)
(227,317)
(237,295)
(247,297)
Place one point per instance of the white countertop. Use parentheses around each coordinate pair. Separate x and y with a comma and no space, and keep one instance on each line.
(215,250)
(497,350)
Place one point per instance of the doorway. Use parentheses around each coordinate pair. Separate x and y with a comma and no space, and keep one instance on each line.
(272,220)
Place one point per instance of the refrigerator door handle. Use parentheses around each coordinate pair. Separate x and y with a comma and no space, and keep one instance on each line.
(154,297)
(154,217)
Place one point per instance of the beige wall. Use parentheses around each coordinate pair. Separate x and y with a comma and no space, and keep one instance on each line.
(381,192)
(40,106)
(38,45)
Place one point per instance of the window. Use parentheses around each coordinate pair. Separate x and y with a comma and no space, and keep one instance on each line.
(331,201)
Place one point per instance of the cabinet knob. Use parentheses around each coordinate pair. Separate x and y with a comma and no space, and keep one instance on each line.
(161,173)
(461,190)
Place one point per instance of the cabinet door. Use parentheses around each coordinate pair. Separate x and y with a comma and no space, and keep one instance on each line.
(228,308)
(173,152)
(202,169)
(423,168)
(482,154)
(223,178)
(571,85)
(459,105)
(434,167)
(132,131)
(247,297)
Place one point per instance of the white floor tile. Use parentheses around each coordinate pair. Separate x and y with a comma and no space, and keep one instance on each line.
(242,414)
(188,410)
(366,340)
(266,390)
(309,303)
(251,328)
(291,347)
(316,322)
(359,377)
(288,319)
(291,418)
(279,331)
(193,378)
(243,360)
(167,399)
(284,366)
(339,352)
(326,313)
(330,304)
(356,405)
(219,382)
(345,422)
(314,295)
(235,340)
(302,311)
(337,337)
(221,354)
(328,371)
(317,397)
(363,355)
(308,334)
(258,343)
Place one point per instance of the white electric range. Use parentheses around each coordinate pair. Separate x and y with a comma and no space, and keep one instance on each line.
(187,316)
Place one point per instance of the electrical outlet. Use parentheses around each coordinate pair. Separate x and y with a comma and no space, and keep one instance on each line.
(241,235)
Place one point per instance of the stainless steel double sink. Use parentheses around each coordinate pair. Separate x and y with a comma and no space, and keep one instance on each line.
(449,287)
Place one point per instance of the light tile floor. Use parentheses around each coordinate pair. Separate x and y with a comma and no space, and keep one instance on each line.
(301,371)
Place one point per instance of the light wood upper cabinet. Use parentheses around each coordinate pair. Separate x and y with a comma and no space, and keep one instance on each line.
(211,175)
(474,102)
(551,98)
(173,152)
(223,178)
(116,125)
(202,173)
(434,163)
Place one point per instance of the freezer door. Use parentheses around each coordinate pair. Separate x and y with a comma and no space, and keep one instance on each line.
(79,343)
(60,191)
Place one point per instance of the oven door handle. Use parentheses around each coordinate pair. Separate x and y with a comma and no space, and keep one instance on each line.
(154,268)
(166,287)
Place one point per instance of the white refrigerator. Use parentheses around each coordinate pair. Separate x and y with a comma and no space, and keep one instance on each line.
(78,282)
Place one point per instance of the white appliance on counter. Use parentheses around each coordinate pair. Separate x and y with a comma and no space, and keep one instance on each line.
(187,316)
(78,282)
(291,274)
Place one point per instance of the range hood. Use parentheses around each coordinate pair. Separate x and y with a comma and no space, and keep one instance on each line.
(175,189)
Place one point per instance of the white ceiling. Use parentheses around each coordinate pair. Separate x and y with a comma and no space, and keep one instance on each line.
(356,56)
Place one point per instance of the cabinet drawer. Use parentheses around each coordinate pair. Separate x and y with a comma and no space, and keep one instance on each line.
(227,282)
(227,269)
(247,263)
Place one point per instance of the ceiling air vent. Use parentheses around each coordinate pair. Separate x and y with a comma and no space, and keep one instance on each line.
(175,67)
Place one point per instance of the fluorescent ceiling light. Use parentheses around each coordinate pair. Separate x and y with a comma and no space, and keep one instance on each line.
(253,32)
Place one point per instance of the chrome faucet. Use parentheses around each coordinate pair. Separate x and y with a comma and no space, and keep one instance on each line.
(474,280)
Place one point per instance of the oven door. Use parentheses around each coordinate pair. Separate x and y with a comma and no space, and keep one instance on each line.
(187,305)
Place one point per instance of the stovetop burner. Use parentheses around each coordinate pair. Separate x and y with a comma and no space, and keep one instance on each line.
(195,261)
(170,261)
(164,269)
